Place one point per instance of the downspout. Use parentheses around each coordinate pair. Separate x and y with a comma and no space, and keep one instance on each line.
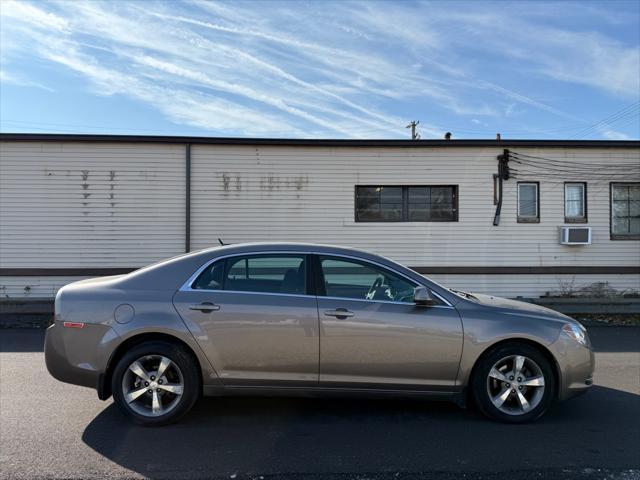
(187,199)
(503,174)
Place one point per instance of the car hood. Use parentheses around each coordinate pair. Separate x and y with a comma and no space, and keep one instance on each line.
(517,307)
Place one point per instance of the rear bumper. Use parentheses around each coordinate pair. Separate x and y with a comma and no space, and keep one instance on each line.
(79,355)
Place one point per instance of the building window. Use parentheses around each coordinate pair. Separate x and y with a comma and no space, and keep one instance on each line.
(625,211)
(415,203)
(575,202)
(528,202)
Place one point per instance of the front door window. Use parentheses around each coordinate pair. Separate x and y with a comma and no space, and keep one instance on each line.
(354,279)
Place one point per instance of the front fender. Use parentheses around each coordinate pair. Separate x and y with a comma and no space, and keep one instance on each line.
(485,328)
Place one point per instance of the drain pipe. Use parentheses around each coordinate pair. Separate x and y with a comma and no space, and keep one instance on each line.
(503,174)
(187,198)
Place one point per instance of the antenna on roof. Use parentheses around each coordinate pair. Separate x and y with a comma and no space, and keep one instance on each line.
(221,242)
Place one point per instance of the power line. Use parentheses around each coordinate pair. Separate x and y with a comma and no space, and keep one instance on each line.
(526,157)
(527,166)
(630,110)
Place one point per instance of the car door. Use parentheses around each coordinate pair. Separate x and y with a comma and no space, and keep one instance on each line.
(253,317)
(373,335)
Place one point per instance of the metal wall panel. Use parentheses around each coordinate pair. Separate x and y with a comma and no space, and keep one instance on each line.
(244,193)
(65,205)
(94,205)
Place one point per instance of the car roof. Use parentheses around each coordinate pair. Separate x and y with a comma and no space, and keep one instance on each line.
(284,246)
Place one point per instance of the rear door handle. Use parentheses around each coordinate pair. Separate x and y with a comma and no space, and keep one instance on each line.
(340,313)
(205,307)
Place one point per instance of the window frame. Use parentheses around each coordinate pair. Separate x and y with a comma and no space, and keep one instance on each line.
(527,219)
(619,236)
(309,289)
(584,218)
(404,216)
(314,276)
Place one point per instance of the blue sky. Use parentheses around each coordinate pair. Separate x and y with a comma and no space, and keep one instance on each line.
(322,69)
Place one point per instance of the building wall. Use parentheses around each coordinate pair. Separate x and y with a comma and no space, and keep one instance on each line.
(90,205)
(297,194)
(122,205)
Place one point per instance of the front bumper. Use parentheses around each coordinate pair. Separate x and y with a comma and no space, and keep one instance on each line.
(576,364)
(79,355)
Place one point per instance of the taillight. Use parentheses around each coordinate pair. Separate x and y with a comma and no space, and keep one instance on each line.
(73,324)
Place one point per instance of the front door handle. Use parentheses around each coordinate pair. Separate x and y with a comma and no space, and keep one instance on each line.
(205,307)
(339,313)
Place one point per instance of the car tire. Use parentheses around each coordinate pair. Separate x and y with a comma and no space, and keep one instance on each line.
(524,399)
(151,401)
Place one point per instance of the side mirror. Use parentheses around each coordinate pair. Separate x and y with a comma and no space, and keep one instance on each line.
(422,296)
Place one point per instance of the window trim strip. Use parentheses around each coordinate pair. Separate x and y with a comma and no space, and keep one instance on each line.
(187,286)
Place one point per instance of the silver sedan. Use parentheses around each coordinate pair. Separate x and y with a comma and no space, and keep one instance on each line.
(295,318)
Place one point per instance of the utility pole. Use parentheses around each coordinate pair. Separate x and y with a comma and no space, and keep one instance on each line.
(413,125)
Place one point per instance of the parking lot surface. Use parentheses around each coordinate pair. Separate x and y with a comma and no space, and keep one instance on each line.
(52,430)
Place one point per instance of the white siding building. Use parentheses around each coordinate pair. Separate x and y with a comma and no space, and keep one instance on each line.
(74,206)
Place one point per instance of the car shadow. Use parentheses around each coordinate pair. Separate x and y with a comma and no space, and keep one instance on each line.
(251,436)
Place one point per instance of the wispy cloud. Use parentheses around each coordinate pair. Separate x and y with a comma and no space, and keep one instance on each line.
(334,69)
(12,79)
(613,135)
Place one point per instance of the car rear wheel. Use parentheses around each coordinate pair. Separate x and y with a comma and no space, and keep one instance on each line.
(514,383)
(155,383)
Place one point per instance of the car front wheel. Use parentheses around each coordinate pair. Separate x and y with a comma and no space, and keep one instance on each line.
(514,383)
(155,383)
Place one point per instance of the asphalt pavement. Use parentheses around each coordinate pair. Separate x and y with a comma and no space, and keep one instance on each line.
(53,430)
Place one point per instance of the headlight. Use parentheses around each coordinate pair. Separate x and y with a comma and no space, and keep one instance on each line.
(577,332)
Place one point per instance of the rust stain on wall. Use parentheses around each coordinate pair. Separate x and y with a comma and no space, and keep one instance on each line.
(112,178)
(272,182)
(230,181)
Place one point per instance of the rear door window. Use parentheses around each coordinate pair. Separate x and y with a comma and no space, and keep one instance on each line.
(266,274)
(211,277)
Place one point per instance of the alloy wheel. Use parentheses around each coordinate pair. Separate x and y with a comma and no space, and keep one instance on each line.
(152,385)
(515,385)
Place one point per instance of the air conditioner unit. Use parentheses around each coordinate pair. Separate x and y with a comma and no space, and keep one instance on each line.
(575,235)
